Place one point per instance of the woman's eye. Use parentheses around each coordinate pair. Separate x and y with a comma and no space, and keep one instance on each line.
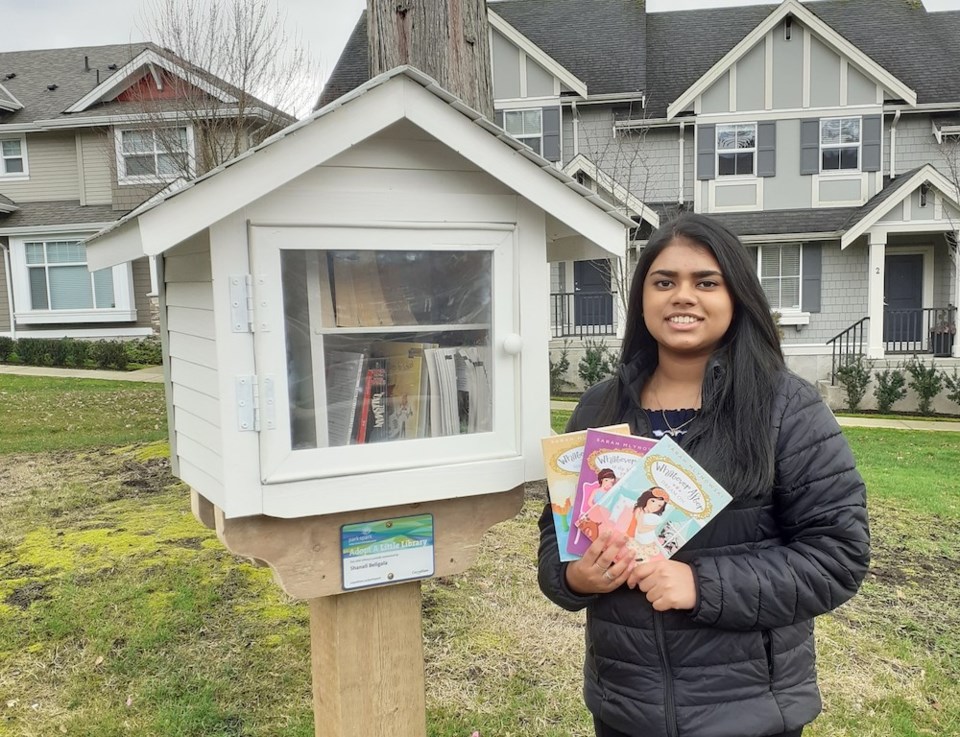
(708,283)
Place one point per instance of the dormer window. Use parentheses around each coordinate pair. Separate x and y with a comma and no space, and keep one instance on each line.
(13,157)
(154,155)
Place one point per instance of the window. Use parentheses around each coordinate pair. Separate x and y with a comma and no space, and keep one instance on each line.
(59,279)
(780,275)
(840,144)
(526,126)
(13,159)
(147,156)
(736,149)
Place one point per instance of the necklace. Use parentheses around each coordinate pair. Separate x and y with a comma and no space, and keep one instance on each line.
(674,431)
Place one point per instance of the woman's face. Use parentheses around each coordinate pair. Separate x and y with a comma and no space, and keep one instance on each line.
(686,304)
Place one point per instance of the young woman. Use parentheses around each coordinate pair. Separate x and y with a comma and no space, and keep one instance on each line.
(717,641)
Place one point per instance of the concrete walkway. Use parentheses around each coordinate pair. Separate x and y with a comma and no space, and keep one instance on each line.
(153,374)
(849,421)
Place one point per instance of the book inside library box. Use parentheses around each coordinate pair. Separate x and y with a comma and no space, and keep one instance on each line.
(387,345)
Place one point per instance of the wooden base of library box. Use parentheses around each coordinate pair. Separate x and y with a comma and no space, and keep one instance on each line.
(367,645)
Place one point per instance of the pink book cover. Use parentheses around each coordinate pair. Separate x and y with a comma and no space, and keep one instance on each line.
(606,459)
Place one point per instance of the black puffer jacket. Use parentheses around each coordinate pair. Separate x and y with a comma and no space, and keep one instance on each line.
(741,664)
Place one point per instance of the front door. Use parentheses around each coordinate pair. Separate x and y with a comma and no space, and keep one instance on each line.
(592,301)
(903,301)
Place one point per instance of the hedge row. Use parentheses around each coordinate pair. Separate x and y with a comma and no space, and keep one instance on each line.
(72,353)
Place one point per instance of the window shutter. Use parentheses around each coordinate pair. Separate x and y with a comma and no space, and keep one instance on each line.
(871,142)
(551,133)
(706,151)
(810,146)
(811,273)
(767,149)
(498,117)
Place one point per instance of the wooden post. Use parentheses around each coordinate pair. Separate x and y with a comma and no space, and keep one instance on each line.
(446,39)
(367,663)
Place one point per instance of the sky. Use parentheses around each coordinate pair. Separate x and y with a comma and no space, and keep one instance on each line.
(323,25)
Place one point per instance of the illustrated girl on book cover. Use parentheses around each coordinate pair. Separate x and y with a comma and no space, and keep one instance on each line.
(647,517)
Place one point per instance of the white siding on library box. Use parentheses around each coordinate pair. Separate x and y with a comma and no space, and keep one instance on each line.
(398,155)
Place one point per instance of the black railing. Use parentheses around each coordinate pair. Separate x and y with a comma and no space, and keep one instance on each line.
(846,346)
(920,330)
(579,314)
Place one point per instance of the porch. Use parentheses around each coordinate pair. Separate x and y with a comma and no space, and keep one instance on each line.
(583,314)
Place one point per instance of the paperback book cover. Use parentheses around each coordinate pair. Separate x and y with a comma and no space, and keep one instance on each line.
(660,504)
(562,457)
(607,457)
(372,412)
(406,387)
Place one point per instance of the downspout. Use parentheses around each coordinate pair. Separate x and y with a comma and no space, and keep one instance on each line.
(576,128)
(6,266)
(893,145)
(683,125)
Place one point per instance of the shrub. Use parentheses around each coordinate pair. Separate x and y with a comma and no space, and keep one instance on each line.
(7,346)
(890,388)
(596,363)
(952,383)
(854,376)
(146,351)
(36,351)
(558,370)
(109,354)
(925,381)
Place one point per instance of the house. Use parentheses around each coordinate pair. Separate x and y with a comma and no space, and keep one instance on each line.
(86,134)
(824,134)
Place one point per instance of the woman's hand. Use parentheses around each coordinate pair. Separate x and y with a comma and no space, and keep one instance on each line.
(668,584)
(604,567)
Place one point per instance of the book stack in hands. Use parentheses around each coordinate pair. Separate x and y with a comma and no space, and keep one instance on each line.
(652,491)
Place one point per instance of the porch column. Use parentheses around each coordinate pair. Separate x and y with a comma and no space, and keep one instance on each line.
(956,290)
(877,241)
(620,282)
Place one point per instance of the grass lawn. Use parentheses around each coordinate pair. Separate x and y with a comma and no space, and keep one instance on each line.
(121,615)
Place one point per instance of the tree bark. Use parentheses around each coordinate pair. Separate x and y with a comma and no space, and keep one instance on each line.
(446,39)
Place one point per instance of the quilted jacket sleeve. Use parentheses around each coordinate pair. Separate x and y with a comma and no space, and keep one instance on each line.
(820,507)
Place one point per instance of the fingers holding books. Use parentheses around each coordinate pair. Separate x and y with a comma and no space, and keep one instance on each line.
(605,566)
(668,584)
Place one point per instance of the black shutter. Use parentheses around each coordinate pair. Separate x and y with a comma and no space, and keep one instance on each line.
(767,149)
(706,151)
(810,146)
(811,272)
(871,137)
(551,133)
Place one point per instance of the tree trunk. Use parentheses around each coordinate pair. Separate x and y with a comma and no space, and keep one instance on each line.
(446,39)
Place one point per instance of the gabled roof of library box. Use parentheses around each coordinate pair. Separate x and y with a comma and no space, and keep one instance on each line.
(402,93)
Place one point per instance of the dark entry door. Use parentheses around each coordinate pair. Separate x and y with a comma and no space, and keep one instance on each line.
(903,299)
(592,301)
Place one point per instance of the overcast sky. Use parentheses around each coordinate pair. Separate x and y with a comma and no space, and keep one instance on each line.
(323,24)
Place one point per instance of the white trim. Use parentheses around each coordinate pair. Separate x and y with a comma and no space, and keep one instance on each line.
(55,229)
(40,126)
(937,205)
(811,23)
(927,174)
(104,332)
(17,175)
(764,238)
(793,317)
(123,179)
(789,315)
(841,146)
(522,71)
(120,80)
(844,176)
(831,111)
(714,184)
(581,163)
(844,80)
(732,89)
(526,103)
(717,152)
(122,277)
(928,267)
(908,207)
(768,71)
(536,53)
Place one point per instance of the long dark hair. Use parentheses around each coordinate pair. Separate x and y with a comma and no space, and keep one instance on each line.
(739,385)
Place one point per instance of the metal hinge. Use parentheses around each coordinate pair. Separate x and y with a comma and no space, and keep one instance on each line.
(256,406)
(241,303)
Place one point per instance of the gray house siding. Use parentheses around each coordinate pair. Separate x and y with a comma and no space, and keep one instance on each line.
(750,79)
(824,75)
(506,68)
(716,99)
(916,145)
(860,90)
(4,298)
(787,69)
(53,171)
(789,189)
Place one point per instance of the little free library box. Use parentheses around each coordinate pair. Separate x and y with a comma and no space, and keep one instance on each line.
(355,326)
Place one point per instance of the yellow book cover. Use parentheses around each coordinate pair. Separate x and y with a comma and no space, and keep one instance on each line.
(407,394)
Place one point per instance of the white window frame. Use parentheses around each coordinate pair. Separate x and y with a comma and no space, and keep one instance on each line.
(726,151)
(4,174)
(841,146)
(525,137)
(124,178)
(123,294)
(788,315)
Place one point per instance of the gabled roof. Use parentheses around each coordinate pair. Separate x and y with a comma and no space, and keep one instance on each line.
(582,164)
(58,87)
(7,205)
(892,195)
(822,30)
(40,216)
(403,93)
(606,54)
(8,101)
